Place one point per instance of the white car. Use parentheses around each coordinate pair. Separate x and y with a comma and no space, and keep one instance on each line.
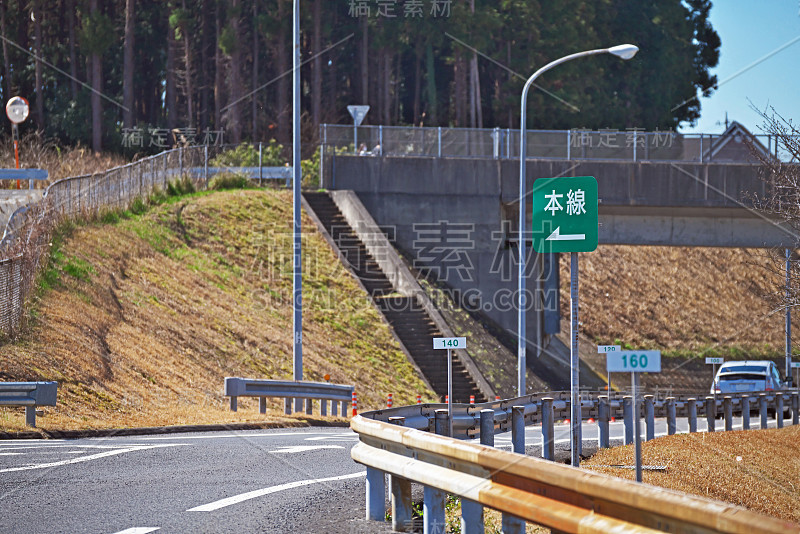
(747,375)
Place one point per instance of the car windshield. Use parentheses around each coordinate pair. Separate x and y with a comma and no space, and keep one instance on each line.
(740,376)
(755,369)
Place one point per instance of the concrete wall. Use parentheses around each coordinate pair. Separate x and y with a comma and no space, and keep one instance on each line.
(474,202)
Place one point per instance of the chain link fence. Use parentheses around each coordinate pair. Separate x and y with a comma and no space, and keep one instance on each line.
(26,240)
(502,143)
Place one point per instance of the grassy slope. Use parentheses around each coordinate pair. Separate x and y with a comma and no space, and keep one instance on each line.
(145,317)
(684,300)
(757,469)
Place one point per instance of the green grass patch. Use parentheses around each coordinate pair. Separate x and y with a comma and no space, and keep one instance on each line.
(79,268)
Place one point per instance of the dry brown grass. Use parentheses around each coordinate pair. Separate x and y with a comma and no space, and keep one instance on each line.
(757,469)
(677,298)
(61,162)
(146,316)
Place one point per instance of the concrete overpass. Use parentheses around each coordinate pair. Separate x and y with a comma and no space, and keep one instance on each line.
(457,217)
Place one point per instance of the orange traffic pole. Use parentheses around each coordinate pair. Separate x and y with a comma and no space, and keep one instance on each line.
(16,157)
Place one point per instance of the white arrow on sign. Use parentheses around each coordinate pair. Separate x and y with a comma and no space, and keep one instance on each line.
(358,113)
(304,448)
(556,236)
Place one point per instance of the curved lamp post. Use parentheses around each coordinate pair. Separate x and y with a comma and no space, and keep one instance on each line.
(624,51)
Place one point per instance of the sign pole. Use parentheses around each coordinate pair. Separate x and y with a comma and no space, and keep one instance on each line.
(788,313)
(637,432)
(297,278)
(575,416)
(450,343)
(450,393)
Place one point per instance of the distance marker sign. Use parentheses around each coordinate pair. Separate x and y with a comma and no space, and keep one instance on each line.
(565,214)
(634,361)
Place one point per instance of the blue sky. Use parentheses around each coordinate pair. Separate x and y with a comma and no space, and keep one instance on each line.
(750,30)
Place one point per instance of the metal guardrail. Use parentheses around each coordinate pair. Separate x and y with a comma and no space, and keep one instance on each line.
(385,449)
(553,495)
(336,393)
(30,395)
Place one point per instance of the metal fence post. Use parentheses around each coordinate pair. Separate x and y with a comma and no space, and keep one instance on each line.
(603,416)
(711,413)
(745,412)
(779,409)
(727,410)
(795,408)
(380,139)
(762,409)
(309,406)
(335,409)
(439,140)
(261,165)
(487,427)
(323,406)
(569,145)
(691,406)
(262,405)
(649,417)
(287,406)
(627,416)
(548,431)
(205,164)
(672,425)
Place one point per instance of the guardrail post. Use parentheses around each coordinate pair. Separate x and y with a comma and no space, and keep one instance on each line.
(513,524)
(323,407)
(603,415)
(795,408)
(649,417)
(711,413)
(745,412)
(401,495)
(233,404)
(672,425)
(472,512)
(487,427)
(762,409)
(727,410)
(344,408)
(691,405)
(548,431)
(376,495)
(335,410)
(262,405)
(627,416)
(30,416)
(287,406)
(433,500)
(440,425)
(779,409)
(309,406)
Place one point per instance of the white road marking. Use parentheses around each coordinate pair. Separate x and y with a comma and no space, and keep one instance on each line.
(138,530)
(85,458)
(10,453)
(236,499)
(292,449)
(221,436)
(338,437)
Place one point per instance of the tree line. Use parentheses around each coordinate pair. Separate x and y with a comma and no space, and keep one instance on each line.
(94,70)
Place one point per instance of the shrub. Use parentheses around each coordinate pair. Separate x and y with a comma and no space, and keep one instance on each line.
(229,180)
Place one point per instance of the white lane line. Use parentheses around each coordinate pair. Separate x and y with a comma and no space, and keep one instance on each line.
(236,499)
(138,530)
(222,436)
(10,453)
(292,449)
(85,458)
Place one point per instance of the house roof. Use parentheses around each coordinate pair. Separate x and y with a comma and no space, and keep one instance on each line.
(735,133)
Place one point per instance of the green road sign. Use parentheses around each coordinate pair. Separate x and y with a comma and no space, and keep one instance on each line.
(565,214)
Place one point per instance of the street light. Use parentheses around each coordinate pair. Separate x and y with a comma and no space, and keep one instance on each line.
(17,110)
(624,51)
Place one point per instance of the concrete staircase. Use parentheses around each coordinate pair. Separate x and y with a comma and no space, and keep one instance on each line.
(413,326)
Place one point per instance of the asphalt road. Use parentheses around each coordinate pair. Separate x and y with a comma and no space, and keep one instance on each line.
(257,481)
